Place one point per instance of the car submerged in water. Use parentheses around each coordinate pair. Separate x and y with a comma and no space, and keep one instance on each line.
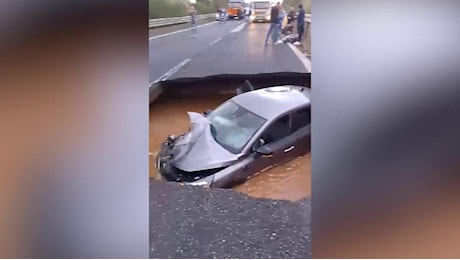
(248,134)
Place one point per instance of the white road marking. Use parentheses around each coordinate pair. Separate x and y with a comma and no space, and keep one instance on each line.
(306,62)
(214,42)
(171,72)
(183,30)
(238,28)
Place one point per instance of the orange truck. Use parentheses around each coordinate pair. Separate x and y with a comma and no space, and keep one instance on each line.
(235,9)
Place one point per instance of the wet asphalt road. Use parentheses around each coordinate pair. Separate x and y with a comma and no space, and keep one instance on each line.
(191,222)
(233,47)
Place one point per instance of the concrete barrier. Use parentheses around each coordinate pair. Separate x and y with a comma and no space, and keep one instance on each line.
(306,38)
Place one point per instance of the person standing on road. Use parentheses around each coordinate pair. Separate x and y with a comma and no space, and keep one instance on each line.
(193,20)
(273,30)
(300,24)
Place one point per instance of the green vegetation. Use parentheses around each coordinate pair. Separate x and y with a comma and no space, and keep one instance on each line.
(220,4)
(306,4)
(204,7)
(163,9)
(174,8)
(170,8)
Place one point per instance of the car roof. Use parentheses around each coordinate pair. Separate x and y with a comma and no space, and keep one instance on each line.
(271,102)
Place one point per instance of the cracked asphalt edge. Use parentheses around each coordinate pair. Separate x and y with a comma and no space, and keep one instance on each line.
(193,222)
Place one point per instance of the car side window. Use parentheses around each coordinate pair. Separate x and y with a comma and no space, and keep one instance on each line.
(300,118)
(277,130)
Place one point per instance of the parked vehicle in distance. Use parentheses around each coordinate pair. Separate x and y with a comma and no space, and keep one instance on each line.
(221,15)
(235,9)
(248,134)
(247,10)
(260,11)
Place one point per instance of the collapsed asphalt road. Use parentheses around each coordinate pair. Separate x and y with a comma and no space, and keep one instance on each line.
(192,222)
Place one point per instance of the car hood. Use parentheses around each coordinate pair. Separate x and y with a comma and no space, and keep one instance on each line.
(197,150)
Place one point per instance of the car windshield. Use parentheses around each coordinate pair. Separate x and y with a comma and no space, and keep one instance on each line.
(232,126)
(261,5)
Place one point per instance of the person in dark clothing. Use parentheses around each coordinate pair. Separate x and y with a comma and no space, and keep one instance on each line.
(291,15)
(273,30)
(275,13)
(300,24)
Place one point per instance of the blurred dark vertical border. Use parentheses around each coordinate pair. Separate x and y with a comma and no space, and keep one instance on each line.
(74,129)
(386,129)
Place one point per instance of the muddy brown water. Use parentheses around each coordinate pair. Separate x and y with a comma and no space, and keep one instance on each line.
(289,181)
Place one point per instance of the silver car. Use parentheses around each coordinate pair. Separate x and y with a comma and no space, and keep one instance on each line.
(246,135)
(221,15)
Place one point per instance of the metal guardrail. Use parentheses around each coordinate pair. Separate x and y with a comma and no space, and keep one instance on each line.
(186,19)
(153,23)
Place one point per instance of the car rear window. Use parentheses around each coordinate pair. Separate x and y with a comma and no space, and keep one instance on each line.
(300,118)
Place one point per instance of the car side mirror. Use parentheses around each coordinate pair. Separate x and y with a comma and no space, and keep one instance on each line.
(260,143)
(265,150)
(207,112)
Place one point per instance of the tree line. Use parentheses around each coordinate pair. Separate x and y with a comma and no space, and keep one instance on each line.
(175,8)
(295,3)
(171,8)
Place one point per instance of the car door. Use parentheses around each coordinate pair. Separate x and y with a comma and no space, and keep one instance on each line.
(276,135)
(301,130)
